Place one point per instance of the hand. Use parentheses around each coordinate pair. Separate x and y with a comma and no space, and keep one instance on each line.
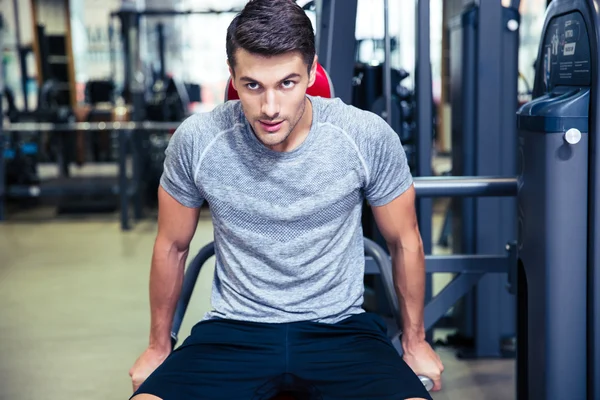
(421,358)
(150,359)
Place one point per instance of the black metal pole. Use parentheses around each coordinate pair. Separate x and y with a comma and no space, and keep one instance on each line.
(461,186)
(111,48)
(387,69)
(137,86)
(124,138)
(125,18)
(2,140)
(424,122)
(160,32)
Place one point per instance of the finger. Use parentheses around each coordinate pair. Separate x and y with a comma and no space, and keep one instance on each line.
(437,385)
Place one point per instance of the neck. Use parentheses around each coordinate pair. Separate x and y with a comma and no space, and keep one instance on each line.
(303,126)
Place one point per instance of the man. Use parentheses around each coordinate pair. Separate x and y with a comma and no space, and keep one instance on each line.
(285,175)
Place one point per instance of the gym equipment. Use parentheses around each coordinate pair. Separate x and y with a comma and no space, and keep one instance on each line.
(20,150)
(484,43)
(559,184)
(126,186)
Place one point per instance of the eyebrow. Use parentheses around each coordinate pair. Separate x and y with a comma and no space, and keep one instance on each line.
(290,76)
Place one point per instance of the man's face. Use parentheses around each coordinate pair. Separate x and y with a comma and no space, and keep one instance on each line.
(272,91)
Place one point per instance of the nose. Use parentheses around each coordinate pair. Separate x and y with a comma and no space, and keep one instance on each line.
(270,105)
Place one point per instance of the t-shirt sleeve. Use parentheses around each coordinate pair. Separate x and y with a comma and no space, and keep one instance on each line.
(389,174)
(179,167)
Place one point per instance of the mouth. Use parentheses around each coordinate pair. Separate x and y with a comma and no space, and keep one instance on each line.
(271,126)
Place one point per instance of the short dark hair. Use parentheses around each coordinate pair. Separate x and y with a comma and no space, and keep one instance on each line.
(270,28)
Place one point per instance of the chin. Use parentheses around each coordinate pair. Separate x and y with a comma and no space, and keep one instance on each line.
(272,139)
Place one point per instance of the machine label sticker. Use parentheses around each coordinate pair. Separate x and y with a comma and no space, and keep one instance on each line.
(567,52)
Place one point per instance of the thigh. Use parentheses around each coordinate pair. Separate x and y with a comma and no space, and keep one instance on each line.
(354,360)
(221,360)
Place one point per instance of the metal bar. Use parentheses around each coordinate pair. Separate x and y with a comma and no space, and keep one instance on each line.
(464,109)
(111,48)
(189,282)
(138,80)
(124,16)
(472,263)
(454,291)
(71,187)
(387,68)
(173,13)
(510,33)
(383,263)
(451,186)
(424,123)
(90,126)
(138,209)
(123,196)
(160,32)
(2,138)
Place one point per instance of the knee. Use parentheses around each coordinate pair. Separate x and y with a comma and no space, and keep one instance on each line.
(145,397)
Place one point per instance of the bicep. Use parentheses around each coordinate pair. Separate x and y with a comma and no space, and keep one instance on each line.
(397,220)
(176,222)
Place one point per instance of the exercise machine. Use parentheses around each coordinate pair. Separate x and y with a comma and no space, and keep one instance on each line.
(484,46)
(558,220)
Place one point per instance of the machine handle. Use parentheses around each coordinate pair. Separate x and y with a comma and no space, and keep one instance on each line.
(428,383)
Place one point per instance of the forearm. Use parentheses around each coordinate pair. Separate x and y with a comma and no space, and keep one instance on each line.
(409,280)
(166,277)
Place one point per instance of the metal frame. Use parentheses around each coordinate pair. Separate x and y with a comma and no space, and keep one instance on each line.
(128,188)
(2,136)
(424,123)
(484,60)
(471,268)
(336,44)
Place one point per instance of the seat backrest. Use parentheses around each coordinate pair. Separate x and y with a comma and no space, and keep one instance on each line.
(321,88)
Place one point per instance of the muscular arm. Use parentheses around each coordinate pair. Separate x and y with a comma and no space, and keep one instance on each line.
(397,222)
(176,228)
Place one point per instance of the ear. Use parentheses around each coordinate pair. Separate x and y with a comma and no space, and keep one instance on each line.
(313,71)
(232,75)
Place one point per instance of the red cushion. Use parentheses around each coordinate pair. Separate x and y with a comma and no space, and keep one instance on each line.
(321,88)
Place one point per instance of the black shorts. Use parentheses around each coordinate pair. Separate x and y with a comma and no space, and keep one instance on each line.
(225,359)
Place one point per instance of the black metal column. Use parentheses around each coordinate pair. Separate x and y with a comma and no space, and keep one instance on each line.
(160,32)
(463,64)
(511,22)
(135,87)
(336,44)
(495,152)
(124,140)
(2,139)
(424,122)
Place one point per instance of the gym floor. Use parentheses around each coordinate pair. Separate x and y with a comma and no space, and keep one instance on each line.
(75,312)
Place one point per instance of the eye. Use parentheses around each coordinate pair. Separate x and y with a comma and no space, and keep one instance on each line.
(252,86)
(288,84)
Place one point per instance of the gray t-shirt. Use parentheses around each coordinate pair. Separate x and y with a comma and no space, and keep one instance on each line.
(287,225)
